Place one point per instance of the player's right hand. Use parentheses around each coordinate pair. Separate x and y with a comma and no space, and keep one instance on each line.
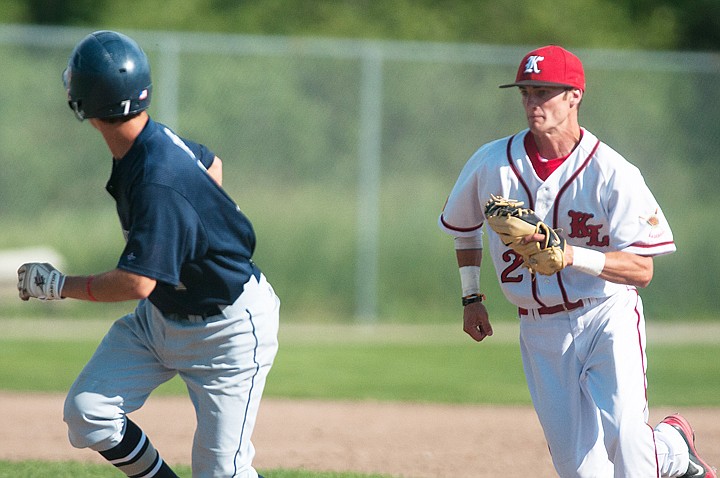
(476,322)
(40,280)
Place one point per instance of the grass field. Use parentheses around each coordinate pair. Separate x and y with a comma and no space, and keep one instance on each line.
(38,469)
(435,364)
(396,363)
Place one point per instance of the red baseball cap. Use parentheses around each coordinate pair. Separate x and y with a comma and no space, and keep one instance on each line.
(550,66)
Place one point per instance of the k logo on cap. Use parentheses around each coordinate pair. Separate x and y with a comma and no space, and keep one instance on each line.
(532,64)
(550,66)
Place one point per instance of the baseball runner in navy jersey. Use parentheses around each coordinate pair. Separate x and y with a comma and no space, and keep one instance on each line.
(206,312)
(582,327)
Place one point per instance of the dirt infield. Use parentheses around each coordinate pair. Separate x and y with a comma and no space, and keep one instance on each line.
(400,439)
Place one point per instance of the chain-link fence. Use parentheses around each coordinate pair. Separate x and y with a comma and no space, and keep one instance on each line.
(342,153)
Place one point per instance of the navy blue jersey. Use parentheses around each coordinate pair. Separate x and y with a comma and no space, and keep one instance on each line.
(182,229)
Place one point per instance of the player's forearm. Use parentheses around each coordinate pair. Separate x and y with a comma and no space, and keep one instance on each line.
(629,269)
(468,257)
(621,267)
(113,286)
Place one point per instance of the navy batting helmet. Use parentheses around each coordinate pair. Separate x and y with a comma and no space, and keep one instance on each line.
(108,76)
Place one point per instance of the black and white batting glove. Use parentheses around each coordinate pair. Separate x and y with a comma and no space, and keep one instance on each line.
(40,280)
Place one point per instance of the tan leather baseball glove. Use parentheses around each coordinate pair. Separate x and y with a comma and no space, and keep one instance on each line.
(513,223)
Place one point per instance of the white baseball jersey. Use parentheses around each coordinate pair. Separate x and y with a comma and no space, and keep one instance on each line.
(583,400)
(595,197)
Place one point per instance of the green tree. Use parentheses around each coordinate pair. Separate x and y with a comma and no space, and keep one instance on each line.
(638,24)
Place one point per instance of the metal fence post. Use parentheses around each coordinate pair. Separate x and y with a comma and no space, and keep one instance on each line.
(370,150)
(167,81)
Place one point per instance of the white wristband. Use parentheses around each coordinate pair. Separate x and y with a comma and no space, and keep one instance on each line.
(588,261)
(470,280)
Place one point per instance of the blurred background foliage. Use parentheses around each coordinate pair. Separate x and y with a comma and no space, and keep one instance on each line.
(634,24)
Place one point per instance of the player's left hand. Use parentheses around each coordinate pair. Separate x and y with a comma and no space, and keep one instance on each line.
(40,280)
(476,322)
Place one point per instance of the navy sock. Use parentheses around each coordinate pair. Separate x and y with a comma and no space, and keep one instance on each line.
(136,457)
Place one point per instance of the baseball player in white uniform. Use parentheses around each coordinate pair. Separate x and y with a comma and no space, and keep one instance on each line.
(582,330)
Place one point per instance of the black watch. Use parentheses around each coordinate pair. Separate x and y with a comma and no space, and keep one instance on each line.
(469,299)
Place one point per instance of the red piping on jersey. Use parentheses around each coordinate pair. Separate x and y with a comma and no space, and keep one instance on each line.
(459,229)
(531,205)
(556,208)
(648,246)
(643,369)
(569,181)
(531,199)
(639,339)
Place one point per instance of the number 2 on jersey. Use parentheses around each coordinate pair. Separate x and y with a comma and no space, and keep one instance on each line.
(515,261)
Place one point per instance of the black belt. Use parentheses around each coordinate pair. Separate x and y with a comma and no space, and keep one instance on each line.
(211,311)
(553,309)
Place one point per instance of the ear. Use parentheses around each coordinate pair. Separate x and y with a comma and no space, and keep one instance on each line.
(576,96)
